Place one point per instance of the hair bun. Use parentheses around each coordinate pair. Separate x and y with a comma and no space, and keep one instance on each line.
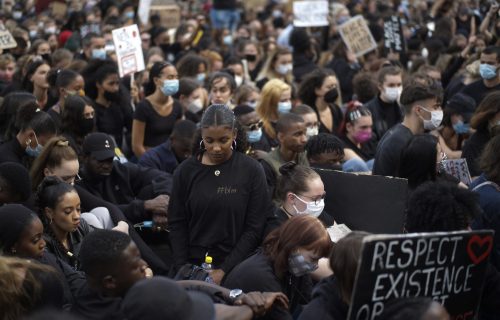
(288,168)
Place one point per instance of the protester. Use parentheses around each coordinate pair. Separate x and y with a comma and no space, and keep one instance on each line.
(310,118)
(422,109)
(168,155)
(10,104)
(288,255)
(35,81)
(321,91)
(155,116)
(77,120)
(221,87)
(277,66)
(325,151)
(15,183)
(193,97)
(67,83)
(224,217)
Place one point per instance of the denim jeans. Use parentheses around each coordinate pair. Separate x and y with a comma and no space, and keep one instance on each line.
(225,19)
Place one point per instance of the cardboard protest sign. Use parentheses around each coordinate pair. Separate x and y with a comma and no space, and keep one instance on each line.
(7,41)
(393,34)
(143,11)
(170,15)
(458,168)
(253,4)
(310,13)
(128,48)
(59,9)
(357,36)
(363,202)
(448,267)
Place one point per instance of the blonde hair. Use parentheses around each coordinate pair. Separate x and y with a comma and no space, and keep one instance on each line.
(267,108)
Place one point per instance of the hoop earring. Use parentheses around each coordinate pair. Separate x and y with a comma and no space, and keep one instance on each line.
(235,144)
(202,145)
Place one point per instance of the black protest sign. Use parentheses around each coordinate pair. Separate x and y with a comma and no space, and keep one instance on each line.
(393,34)
(447,267)
(364,202)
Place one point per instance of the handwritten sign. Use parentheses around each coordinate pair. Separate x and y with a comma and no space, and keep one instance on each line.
(170,15)
(6,39)
(383,201)
(357,36)
(458,168)
(128,48)
(310,13)
(393,34)
(447,267)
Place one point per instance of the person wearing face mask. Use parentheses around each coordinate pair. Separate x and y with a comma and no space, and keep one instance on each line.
(384,108)
(320,90)
(277,66)
(310,118)
(300,191)
(291,134)
(193,98)
(155,116)
(248,95)
(490,78)
(252,125)
(455,129)
(67,83)
(356,133)
(77,120)
(93,47)
(284,263)
(275,101)
(422,109)
(111,101)
(35,128)
(486,122)
(346,65)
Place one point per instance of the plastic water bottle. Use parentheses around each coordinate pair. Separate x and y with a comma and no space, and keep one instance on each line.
(207,266)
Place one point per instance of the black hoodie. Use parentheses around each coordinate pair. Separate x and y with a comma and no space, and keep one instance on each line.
(326,303)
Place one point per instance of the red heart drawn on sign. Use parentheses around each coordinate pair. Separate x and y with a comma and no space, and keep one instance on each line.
(481,242)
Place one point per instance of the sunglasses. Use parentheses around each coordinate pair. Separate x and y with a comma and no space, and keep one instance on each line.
(255,126)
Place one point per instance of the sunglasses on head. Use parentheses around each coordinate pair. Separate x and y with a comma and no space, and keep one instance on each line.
(255,126)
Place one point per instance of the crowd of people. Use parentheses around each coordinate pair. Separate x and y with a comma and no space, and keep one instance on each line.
(190,190)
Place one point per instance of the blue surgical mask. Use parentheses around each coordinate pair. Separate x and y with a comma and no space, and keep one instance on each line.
(201,77)
(284,107)
(228,40)
(99,54)
(254,135)
(461,128)
(129,14)
(487,71)
(33,152)
(170,87)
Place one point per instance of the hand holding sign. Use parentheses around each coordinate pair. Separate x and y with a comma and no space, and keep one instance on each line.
(6,39)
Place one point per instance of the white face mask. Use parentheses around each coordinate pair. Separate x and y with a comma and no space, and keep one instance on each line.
(392,94)
(195,106)
(283,69)
(312,131)
(312,208)
(238,80)
(435,121)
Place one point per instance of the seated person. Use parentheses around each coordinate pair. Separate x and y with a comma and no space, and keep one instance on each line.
(252,125)
(310,118)
(291,134)
(288,256)
(167,156)
(15,183)
(141,193)
(325,151)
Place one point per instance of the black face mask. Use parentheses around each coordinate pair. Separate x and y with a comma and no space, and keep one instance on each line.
(87,126)
(112,96)
(331,96)
(251,57)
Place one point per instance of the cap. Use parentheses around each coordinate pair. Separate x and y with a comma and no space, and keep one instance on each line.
(462,104)
(99,145)
(18,178)
(162,298)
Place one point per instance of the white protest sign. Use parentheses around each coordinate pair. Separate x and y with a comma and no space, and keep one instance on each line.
(143,11)
(6,39)
(357,36)
(337,232)
(128,48)
(310,13)
(459,169)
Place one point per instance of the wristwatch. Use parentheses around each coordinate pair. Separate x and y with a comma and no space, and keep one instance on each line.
(235,294)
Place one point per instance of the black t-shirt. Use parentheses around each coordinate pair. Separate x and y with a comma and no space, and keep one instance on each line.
(113,119)
(389,150)
(158,128)
(366,152)
(477,91)
(472,150)
(219,209)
